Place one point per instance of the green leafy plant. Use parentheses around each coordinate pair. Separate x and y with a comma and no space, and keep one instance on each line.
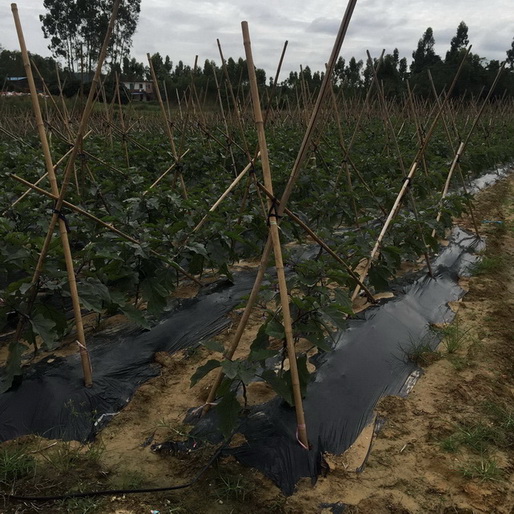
(15,463)
(485,469)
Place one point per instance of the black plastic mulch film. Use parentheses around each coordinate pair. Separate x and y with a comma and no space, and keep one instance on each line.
(367,362)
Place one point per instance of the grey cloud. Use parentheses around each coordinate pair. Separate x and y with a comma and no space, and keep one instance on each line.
(324,26)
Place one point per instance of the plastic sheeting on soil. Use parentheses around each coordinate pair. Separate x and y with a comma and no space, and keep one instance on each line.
(52,401)
(369,361)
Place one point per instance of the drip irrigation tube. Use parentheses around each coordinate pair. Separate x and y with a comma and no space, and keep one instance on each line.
(108,492)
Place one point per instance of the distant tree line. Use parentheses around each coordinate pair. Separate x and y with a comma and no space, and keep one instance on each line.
(353,77)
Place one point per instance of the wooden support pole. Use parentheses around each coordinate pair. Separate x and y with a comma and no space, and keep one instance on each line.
(234,183)
(388,124)
(165,173)
(327,79)
(277,249)
(318,240)
(464,143)
(81,340)
(167,122)
(285,197)
(407,181)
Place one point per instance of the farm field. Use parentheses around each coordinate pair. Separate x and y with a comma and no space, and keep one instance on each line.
(425,459)
(231,304)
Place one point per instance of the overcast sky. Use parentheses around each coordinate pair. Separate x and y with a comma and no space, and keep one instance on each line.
(188,28)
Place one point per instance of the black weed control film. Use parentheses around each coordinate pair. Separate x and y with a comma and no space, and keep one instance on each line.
(52,401)
(368,361)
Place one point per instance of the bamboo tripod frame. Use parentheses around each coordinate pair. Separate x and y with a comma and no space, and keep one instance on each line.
(407,181)
(283,201)
(60,193)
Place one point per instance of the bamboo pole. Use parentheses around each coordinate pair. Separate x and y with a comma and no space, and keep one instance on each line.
(318,240)
(345,161)
(224,119)
(464,143)
(40,179)
(452,146)
(81,339)
(407,181)
(234,102)
(277,249)
(388,124)
(294,175)
(67,174)
(167,122)
(165,173)
(234,183)
(275,81)
(321,95)
(122,120)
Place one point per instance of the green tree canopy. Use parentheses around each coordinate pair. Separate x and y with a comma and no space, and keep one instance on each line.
(76,30)
(510,55)
(424,56)
(458,42)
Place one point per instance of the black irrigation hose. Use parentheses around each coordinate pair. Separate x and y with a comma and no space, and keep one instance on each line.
(90,494)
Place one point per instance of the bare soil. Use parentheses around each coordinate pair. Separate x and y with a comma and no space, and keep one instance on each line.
(446,448)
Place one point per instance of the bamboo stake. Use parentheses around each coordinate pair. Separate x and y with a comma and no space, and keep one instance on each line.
(294,175)
(345,161)
(166,172)
(321,95)
(81,340)
(407,181)
(167,123)
(318,240)
(464,143)
(417,124)
(122,120)
(387,121)
(67,174)
(248,167)
(40,179)
(63,103)
(277,249)
(275,81)
(224,119)
(452,146)
(234,101)
(252,299)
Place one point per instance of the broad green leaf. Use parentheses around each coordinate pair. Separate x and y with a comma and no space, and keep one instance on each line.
(281,385)
(342,300)
(231,368)
(155,294)
(259,350)
(275,329)
(228,412)
(135,315)
(44,327)
(204,370)
(313,331)
(223,270)
(196,264)
(93,294)
(13,365)
(198,248)
(335,314)
(213,345)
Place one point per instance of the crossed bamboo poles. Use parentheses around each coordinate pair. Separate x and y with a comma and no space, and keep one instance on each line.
(58,217)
